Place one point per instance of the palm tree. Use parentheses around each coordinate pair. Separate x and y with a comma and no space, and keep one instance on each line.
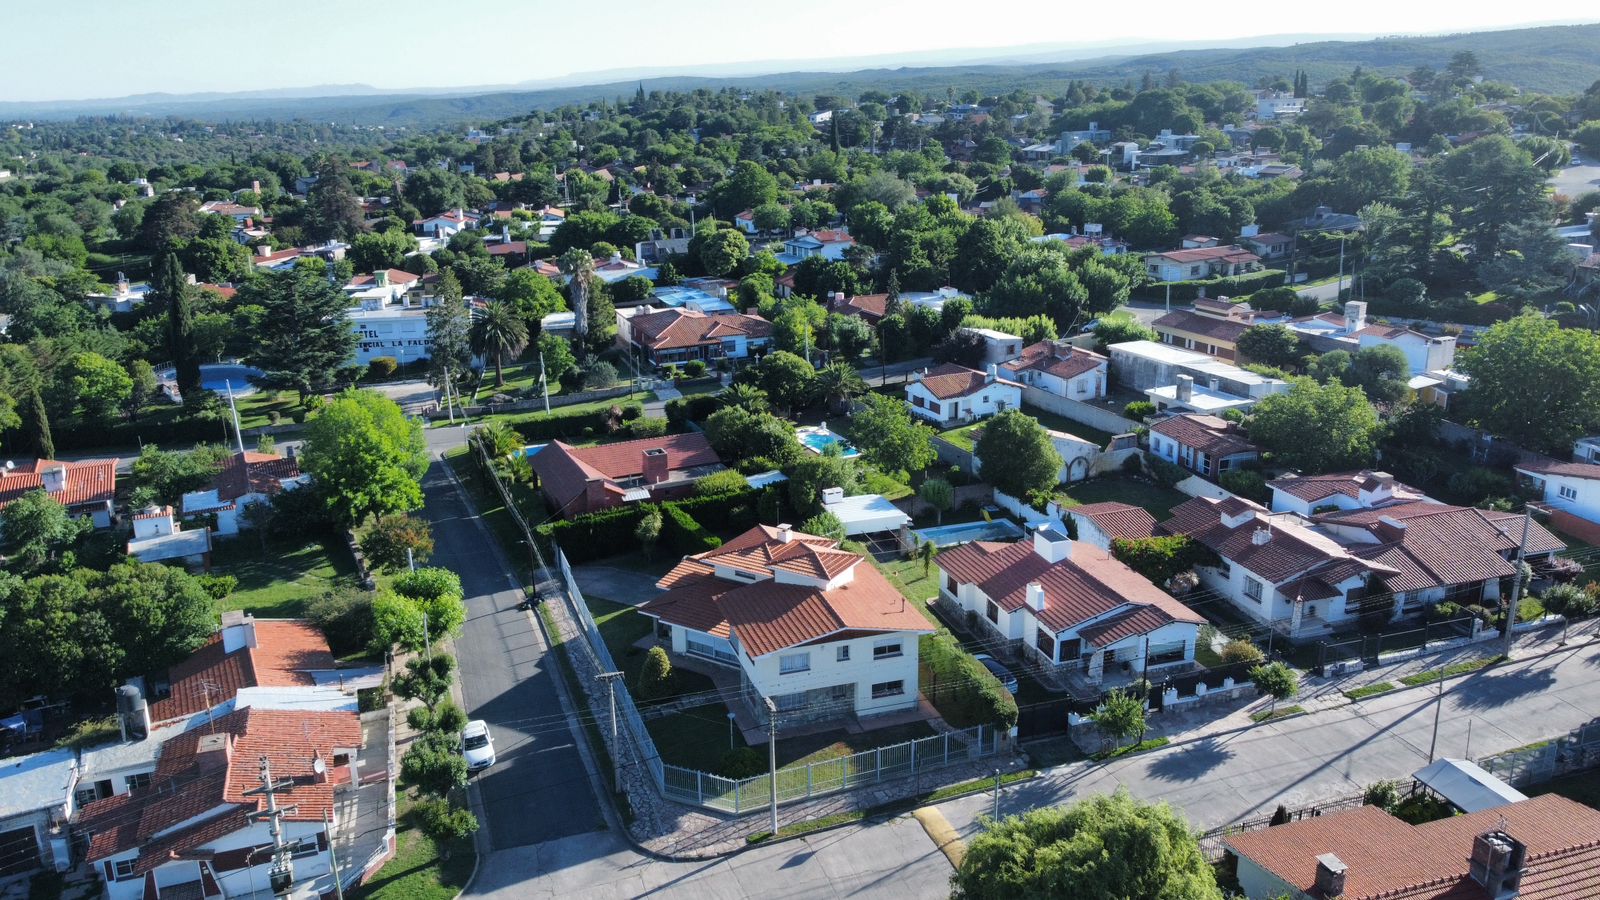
(747,397)
(839,382)
(580,266)
(497,332)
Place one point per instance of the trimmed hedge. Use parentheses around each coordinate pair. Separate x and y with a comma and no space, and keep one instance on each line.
(191,429)
(1230,286)
(569,424)
(590,537)
(683,535)
(960,688)
(693,408)
(733,511)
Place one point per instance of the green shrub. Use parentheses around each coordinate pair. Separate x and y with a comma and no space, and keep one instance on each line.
(645,428)
(725,511)
(344,615)
(382,367)
(694,368)
(539,427)
(745,762)
(1160,558)
(683,535)
(655,679)
(964,692)
(1241,651)
(1247,483)
(1164,473)
(1139,410)
(1231,286)
(590,537)
(218,586)
(728,481)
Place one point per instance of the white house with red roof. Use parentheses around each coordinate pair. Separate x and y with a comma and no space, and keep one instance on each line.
(816,629)
(1569,488)
(196,830)
(578,480)
(952,394)
(1200,262)
(1101,523)
(1059,368)
(448,223)
(1064,603)
(829,244)
(1205,445)
(87,488)
(1352,333)
(679,335)
(246,478)
(745,221)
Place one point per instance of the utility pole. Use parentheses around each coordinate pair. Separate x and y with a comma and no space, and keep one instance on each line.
(1169,296)
(544,384)
(996,816)
(1438,705)
(610,679)
(772,761)
(237,431)
(333,857)
(1340,294)
(411,559)
(448,408)
(281,874)
(1507,639)
(427,641)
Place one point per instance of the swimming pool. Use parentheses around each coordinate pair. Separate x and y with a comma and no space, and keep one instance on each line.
(219,377)
(818,439)
(532,449)
(966,532)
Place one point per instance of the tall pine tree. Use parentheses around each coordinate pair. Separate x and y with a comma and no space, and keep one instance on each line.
(449,331)
(173,287)
(305,335)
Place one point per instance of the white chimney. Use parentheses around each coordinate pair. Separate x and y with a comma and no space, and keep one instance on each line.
(1375,488)
(1330,875)
(238,631)
(785,533)
(991,374)
(153,521)
(1036,596)
(1355,316)
(1185,388)
(1261,536)
(55,479)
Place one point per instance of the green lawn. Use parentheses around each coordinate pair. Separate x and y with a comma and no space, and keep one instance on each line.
(907,577)
(419,870)
(279,584)
(256,410)
(1450,671)
(1157,500)
(591,406)
(1371,690)
(698,738)
(621,627)
(1282,712)
(964,437)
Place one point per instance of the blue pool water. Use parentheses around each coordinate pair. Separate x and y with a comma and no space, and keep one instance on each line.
(817,441)
(531,449)
(219,376)
(966,532)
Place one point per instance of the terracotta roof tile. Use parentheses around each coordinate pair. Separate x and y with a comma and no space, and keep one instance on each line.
(1585,470)
(90,481)
(1390,859)
(678,328)
(564,470)
(1208,434)
(1064,362)
(1186,322)
(285,654)
(1312,488)
(254,473)
(1118,520)
(952,380)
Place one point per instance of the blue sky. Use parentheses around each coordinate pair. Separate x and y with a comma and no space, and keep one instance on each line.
(108,48)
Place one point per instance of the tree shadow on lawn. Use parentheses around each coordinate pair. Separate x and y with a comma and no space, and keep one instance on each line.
(1191,762)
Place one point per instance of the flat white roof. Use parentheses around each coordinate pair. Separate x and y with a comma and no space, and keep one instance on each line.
(1201,399)
(1158,351)
(866,513)
(171,546)
(764,479)
(37,781)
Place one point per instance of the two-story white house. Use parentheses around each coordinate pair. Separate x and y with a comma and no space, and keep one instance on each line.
(246,479)
(1063,603)
(827,244)
(815,629)
(1568,488)
(952,394)
(1059,368)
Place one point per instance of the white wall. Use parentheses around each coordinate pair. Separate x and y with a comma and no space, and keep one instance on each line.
(988,400)
(1586,503)
(861,669)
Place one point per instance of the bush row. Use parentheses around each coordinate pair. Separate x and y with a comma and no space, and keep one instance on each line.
(191,429)
(964,692)
(1230,286)
(573,423)
(682,534)
(693,408)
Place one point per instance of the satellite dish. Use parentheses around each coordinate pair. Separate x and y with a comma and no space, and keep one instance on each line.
(318,766)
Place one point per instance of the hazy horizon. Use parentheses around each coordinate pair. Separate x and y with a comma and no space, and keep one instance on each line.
(112,50)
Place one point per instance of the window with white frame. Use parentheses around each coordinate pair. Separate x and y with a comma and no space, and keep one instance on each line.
(888,689)
(1252,589)
(887,650)
(790,663)
(123,868)
(136,781)
(1568,492)
(843,653)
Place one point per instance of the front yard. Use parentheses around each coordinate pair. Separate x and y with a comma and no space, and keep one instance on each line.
(1156,500)
(965,438)
(279,583)
(699,738)
(421,869)
(621,627)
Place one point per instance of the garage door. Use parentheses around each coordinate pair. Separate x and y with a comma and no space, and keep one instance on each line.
(19,852)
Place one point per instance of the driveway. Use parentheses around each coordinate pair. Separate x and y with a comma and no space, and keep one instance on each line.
(616,585)
(538,790)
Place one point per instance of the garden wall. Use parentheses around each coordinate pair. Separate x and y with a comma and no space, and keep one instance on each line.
(1098,417)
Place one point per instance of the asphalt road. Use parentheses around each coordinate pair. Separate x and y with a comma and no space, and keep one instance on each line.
(1574,180)
(538,789)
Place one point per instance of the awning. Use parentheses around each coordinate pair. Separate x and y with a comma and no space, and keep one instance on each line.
(868,513)
(1466,786)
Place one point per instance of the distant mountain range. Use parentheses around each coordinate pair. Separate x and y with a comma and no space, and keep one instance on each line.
(1549,59)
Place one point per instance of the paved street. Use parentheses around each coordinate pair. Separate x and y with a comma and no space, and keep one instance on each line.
(538,789)
(1574,180)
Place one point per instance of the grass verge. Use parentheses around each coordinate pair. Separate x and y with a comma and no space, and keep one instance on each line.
(1282,712)
(1141,747)
(1450,671)
(421,869)
(893,808)
(1371,690)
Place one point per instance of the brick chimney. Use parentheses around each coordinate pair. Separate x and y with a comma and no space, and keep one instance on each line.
(213,751)
(655,465)
(594,495)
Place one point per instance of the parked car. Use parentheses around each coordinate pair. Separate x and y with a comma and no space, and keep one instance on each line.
(1007,680)
(477,746)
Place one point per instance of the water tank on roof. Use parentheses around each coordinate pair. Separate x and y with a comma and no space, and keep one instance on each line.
(133,714)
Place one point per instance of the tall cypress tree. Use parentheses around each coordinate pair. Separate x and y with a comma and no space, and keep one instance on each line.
(174,290)
(39,424)
(834,121)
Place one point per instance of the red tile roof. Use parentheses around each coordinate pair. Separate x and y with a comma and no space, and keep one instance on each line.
(1201,326)
(1443,545)
(187,784)
(564,470)
(254,473)
(767,616)
(1584,470)
(1312,488)
(1118,520)
(867,306)
(1064,362)
(1291,549)
(1208,434)
(395,276)
(90,481)
(952,380)
(285,654)
(1087,585)
(1227,253)
(673,329)
(1387,858)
